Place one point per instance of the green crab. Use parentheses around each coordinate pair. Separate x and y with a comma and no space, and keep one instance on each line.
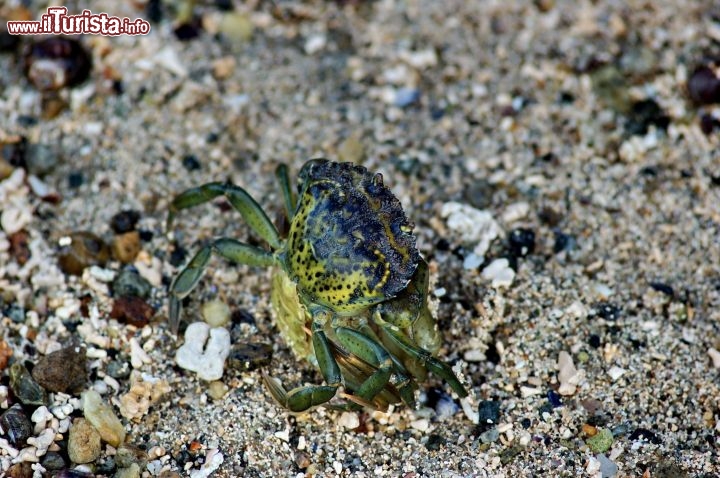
(349,289)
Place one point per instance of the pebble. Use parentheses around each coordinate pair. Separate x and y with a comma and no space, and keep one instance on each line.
(130,283)
(608,469)
(472,261)
(217,390)
(568,375)
(62,371)
(124,221)
(25,388)
(57,62)
(14,219)
(713,353)
(490,435)
(84,442)
(5,354)
(103,418)
(473,226)
(616,372)
(16,426)
(204,351)
(515,212)
(601,441)
(168,58)
(236,27)
(53,461)
(144,392)
(704,86)
(216,313)
(118,369)
(593,466)
(351,150)
(133,471)
(488,414)
(404,97)
(125,247)
(349,420)
(315,43)
(499,273)
(521,242)
(80,250)
(132,310)
(213,460)
(249,356)
(128,455)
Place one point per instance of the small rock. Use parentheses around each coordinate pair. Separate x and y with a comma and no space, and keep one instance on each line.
(349,420)
(56,62)
(53,461)
(13,219)
(25,388)
(601,442)
(490,435)
(406,96)
(102,417)
(616,372)
(132,310)
(84,442)
(125,247)
(19,247)
(217,390)
(315,43)
(645,434)
(472,261)
(16,426)
(124,221)
(5,354)
(249,356)
(434,442)
(608,469)
(713,353)
(521,242)
(216,313)
(133,471)
(204,351)
(472,225)
(704,86)
(488,414)
(118,369)
(191,162)
(62,371)
(499,273)
(302,460)
(236,27)
(351,150)
(128,455)
(80,250)
(130,283)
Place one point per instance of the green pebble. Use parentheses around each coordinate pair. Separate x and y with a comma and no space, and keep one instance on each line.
(583,357)
(601,442)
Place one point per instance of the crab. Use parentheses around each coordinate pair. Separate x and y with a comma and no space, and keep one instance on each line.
(349,289)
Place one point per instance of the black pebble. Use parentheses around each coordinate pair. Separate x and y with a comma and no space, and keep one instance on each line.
(525,423)
(124,221)
(563,242)
(521,242)
(607,311)
(664,288)
(177,256)
(191,162)
(645,434)
(646,113)
(434,442)
(554,399)
(489,415)
(704,86)
(594,341)
(75,180)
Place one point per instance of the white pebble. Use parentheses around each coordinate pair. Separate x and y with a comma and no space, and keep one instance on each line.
(216,313)
(206,357)
(337,466)
(39,188)
(213,460)
(421,425)
(315,43)
(474,355)
(530,391)
(593,466)
(41,415)
(715,357)
(169,59)
(349,420)
(499,272)
(472,261)
(616,372)
(13,219)
(515,212)
(102,274)
(43,441)
(472,225)
(138,357)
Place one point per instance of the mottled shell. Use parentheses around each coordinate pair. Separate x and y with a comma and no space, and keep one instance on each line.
(350,244)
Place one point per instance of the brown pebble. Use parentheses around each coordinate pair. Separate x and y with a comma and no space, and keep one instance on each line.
(168,474)
(84,442)
(85,249)
(132,310)
(125,247)
(589,430)
(302,460)
(20,470)
(5,354)
(19,247)
(62,371)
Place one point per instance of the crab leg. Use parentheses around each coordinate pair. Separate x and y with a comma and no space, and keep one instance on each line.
(230,249)
(438,367)
(281,172)
(238,198)
(301,398)
(371,352)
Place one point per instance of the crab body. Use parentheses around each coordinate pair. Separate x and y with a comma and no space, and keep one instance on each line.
(350,288)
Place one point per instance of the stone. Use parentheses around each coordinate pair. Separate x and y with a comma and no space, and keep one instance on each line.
(84,442)
(62,371)
(103,418)
(204,351)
